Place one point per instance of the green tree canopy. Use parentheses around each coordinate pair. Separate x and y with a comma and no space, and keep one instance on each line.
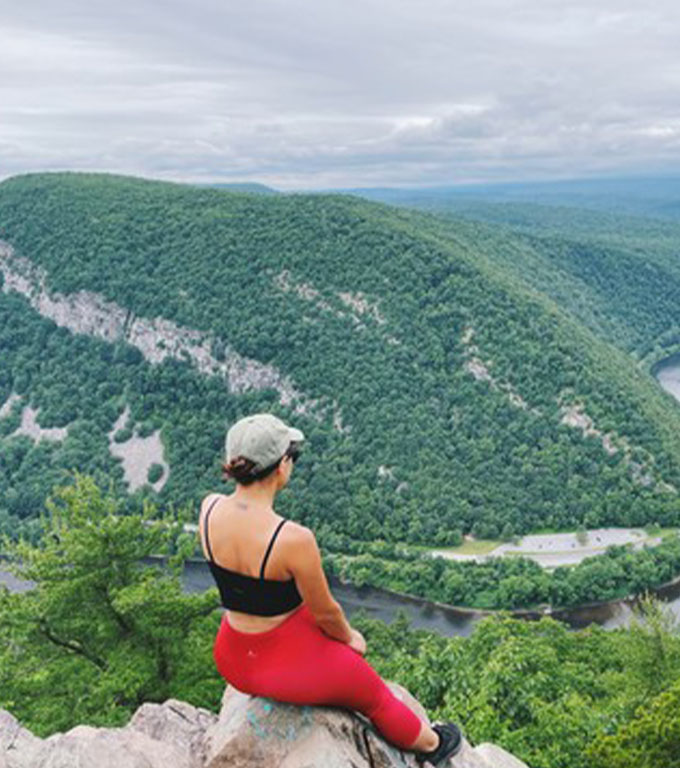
(102,632)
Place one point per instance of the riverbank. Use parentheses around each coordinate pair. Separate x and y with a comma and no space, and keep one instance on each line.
(552,550)
(609,614)
(422,613)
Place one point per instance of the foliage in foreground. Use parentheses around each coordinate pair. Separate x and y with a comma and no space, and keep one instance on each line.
(650,740)
(553,697)
(102,633)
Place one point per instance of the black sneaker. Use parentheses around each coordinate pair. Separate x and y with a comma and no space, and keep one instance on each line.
(450,742)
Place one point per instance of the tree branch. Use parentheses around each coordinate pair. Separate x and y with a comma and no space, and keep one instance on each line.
(119,619)
(70,645)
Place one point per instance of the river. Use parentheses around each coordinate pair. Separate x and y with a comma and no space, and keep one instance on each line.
(446,620)
(667,373)
(423,614)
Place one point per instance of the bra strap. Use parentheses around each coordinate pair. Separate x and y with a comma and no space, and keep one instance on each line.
(205,527)
(269,548)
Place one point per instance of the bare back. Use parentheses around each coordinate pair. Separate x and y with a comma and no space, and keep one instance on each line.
(238,540)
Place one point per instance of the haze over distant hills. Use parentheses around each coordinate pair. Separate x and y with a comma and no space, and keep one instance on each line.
(639,196)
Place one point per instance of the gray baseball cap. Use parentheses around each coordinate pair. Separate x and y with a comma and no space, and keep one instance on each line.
(262,438)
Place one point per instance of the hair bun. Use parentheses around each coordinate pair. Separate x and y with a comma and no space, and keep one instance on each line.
(238,469)
(239,463)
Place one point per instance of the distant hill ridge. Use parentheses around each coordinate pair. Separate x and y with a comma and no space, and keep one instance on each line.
(443,369)
(656,196)
(606,250)
(247,187)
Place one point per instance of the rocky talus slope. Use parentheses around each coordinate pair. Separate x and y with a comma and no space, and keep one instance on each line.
(249,732)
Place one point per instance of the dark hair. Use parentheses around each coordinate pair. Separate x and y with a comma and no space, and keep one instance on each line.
(243,470)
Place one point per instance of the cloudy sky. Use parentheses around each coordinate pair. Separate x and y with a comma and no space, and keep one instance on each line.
(341,93)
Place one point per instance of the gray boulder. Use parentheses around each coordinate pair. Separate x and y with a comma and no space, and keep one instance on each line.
(168,735)
(176,723)
(250,732)
(254,732)
(17,743)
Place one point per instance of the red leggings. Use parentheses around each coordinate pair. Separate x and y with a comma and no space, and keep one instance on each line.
(297,662)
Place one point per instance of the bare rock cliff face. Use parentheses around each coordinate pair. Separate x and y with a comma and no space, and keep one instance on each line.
(89,313)
(250,732)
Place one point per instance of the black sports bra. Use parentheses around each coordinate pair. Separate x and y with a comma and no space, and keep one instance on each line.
(261,597)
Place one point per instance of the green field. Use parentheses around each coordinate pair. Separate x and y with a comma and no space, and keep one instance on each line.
(472,547)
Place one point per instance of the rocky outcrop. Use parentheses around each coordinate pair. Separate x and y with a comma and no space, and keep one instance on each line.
(90,313)
(168,735)
(573,415)
(249,732)
(138,454)
(480,370)
(360,307)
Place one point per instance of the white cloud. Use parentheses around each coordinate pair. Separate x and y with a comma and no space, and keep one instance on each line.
(340,93)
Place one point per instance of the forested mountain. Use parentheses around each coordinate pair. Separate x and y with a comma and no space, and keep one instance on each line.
(618,274)
(451,376)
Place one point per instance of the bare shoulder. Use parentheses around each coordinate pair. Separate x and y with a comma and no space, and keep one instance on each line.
(301,543)
(297,533)
(299,548)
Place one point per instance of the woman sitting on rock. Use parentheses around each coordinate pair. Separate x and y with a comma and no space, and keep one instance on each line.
(285,637)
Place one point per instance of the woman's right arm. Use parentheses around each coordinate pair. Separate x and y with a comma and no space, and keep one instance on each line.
(310,579)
